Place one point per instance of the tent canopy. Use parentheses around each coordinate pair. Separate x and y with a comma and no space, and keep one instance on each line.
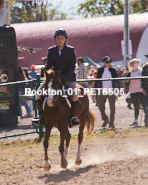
(90,61)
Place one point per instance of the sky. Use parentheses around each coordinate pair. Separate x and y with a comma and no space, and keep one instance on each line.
(66,5)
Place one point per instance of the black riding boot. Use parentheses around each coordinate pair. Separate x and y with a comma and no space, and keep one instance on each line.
(74,120)
(41,119)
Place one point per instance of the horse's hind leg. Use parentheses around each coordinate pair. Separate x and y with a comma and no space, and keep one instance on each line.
(61,148)
(80,138)
(68,137)
(47,164)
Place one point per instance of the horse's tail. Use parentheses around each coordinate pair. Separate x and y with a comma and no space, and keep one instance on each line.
(90,122)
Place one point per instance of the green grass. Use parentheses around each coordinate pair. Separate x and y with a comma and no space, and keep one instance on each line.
(54,139)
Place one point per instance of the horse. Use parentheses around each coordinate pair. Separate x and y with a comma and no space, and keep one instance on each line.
(56,111)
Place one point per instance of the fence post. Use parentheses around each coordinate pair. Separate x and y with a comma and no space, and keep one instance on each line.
(40,126)
(34,100)
(38,84)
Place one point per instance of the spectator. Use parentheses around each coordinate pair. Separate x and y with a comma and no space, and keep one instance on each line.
(33,73)
(120,72)
(144,85)
(126,86)
(92,72)
(43,68)
(94,97)
(21,77)
(134,88)
(107,72)
(30,85)
(91,76)
(124,70)
(91,84)
(82,72)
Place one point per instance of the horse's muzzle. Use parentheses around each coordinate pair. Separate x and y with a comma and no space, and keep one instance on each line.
(50,103)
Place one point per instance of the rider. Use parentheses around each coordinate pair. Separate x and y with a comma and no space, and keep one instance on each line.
(63,57)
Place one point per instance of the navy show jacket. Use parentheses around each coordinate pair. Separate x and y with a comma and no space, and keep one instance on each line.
(64,62)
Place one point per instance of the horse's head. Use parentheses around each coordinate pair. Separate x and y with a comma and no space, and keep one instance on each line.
(52,83)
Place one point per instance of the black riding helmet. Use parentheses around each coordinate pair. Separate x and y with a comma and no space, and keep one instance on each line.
(60,31)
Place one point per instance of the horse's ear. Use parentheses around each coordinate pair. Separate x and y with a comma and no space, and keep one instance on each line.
(58,73)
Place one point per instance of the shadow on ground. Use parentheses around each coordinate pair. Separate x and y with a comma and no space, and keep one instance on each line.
(64,175)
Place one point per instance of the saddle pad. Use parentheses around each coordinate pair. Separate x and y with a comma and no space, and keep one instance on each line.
(65,96)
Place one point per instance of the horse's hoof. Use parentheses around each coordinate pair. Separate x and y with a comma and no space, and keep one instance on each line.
(64,164)
(78,162)
(47,166)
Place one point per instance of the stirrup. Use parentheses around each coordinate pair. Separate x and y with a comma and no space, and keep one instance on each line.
(74,122)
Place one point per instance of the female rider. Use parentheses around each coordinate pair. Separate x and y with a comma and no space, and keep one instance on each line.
(63,57)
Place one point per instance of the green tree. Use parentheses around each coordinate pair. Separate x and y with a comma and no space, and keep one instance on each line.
(138,6)
(35,11)
(94,8)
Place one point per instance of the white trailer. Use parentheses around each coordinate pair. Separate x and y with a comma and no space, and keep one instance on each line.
(143,47)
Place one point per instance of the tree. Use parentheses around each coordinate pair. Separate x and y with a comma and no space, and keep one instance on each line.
(94,8)
(138,6)
(35,11)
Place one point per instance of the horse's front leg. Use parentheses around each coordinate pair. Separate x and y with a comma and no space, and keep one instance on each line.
(80,138)
(61,148)
(68,137)
(47,164)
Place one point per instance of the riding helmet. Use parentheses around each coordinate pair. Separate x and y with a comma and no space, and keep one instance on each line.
(60,31)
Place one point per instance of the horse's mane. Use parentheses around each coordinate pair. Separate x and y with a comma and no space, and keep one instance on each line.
(49,71)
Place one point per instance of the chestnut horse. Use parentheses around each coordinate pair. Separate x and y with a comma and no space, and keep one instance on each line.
(57,112)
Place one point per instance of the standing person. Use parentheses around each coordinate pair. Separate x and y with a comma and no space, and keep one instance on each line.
(95,75)
(144,85)
(134,88)
(33,73)
(82,72)
(120,72)
(30,85)
(127,86)
(126,71)
(21,77)
(43,68)
(107,72)
(63,57)
(91,84)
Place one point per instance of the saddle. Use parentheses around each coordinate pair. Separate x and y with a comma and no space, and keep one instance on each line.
(68,98)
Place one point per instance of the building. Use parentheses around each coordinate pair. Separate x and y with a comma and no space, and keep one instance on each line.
(94,37)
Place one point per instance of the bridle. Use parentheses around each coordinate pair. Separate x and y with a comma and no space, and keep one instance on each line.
(55,97)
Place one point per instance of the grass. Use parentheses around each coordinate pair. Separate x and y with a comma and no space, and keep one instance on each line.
(23,150)
(94,137)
